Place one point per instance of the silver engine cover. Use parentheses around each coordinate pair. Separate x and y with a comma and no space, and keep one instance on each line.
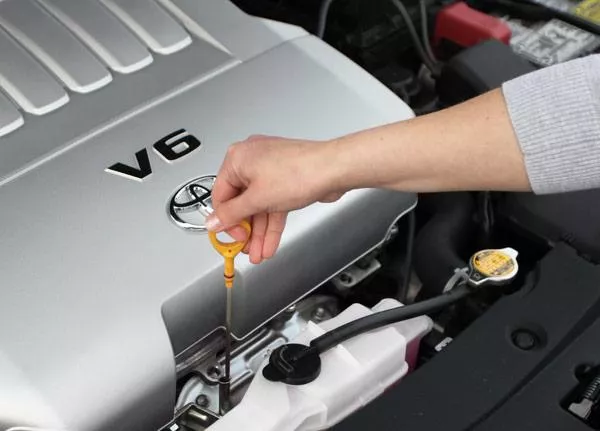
(101,292)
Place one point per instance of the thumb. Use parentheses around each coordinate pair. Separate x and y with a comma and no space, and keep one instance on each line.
(231,213)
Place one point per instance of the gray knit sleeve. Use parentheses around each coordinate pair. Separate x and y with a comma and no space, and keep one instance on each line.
(555,113)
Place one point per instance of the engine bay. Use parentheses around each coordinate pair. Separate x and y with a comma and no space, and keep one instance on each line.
(466,310)
(486,349)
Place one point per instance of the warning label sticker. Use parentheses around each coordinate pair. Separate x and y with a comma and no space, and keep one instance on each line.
(555,42)
(562,5)
(493,263)
(589,9)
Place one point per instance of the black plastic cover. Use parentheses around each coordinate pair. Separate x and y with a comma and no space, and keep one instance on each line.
(573,218)
(484,380)
(478,70)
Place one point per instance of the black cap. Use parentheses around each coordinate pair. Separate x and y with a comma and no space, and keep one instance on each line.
(293,364)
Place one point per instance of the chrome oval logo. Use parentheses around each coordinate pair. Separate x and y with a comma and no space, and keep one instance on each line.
(192,203)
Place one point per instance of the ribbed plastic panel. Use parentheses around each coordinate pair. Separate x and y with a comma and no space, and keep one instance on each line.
(51,48)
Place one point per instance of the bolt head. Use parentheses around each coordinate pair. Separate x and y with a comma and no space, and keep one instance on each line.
(202,400)
(345,278)
(525,339)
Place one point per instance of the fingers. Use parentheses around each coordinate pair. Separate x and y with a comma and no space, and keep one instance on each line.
(267,239)
(253,138)
(257,239)
(229,182)
(243,191)
(238,233)
(225,187)
(275,227)
(246,249)
(232,212)
(332,197)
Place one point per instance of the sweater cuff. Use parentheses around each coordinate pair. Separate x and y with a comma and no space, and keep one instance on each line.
(555,114)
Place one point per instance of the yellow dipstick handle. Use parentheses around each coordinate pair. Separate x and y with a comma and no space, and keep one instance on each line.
(229,250)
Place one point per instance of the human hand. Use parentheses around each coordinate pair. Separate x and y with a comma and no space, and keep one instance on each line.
(263,178)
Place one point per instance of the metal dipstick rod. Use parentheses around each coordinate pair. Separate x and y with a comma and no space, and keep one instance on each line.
(225,381)
(229,250)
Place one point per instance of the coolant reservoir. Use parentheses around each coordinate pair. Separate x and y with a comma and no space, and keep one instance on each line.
(352,375)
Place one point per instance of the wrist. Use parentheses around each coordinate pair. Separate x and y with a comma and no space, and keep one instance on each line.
(363,159)
(337,169)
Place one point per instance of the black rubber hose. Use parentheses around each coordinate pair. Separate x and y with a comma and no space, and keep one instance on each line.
(444,238)
(384,318)
(412,31)
(323,15)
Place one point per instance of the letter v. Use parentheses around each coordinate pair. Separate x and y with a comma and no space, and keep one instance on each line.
(138,173)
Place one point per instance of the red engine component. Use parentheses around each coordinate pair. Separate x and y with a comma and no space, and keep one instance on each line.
(464,26)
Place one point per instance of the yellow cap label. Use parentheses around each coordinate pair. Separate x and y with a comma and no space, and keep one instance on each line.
(589,9)
(493,263)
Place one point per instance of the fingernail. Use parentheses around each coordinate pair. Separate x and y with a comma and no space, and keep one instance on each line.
(213,223)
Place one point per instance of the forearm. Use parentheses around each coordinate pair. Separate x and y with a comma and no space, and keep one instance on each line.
(541,132)
(468,147)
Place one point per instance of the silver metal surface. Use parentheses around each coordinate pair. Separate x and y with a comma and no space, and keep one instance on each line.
(124,98)
(10,118)
(249,355)
(96,279)
(151,23)
(356,273)
(364,267)
(204,18)
(52,44)
(192,418)
(102,33)
(24,80)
